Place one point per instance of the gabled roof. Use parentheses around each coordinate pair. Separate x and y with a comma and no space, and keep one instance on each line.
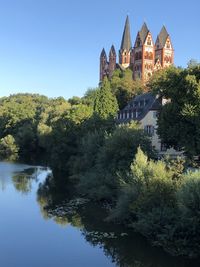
(162,37)
(126,38)
(143,33)
(141,104)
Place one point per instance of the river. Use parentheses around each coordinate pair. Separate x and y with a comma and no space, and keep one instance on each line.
(38,228)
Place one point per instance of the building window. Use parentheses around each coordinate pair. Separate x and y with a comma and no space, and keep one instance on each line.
(149,129)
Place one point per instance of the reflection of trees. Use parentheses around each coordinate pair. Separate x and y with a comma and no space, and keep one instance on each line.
(50,196)
(22,181)
(130,250)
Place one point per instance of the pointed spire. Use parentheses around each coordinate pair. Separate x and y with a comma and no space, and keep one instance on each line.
(103,53)
(126,39)
(112,51)
(143,32)
(162,37)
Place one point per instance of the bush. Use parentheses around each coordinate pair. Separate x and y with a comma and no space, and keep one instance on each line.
(189,196)
(8,148)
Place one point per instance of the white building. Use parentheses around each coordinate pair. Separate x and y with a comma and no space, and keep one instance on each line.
(145,109)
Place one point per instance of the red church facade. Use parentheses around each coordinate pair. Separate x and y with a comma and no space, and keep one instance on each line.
(144,58)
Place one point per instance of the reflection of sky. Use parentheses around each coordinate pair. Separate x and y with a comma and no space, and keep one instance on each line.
(27,240)
(6,172)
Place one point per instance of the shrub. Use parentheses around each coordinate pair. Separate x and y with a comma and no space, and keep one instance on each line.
(8,148)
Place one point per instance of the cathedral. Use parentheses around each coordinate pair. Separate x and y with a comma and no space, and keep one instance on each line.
(144,58)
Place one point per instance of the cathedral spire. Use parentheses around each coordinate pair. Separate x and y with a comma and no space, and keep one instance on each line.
(103,65)
(143,32)
(103,54)
(162,37)
(126,39)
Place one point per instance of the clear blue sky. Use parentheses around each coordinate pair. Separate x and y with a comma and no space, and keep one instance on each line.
(52,47)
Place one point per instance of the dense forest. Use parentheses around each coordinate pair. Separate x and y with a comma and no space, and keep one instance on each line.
(115,164)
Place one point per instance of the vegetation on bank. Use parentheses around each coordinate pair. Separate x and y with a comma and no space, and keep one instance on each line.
(115,163)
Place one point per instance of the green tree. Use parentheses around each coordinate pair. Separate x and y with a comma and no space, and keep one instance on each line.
(8,148)
(105,104)
(124,87)
(179,120)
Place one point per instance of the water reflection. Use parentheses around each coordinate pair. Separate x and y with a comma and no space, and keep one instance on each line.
(7,171)
(124,247)
(21,176)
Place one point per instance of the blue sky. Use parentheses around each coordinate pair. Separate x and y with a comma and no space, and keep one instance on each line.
(52,47)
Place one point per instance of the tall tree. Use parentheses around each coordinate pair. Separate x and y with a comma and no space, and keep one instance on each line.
(105,104)
(179,120)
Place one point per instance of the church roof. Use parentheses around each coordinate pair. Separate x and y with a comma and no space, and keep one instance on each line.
(141,105)
(162,37)
(126,38)
(103,53)
(112,51)
(143,33)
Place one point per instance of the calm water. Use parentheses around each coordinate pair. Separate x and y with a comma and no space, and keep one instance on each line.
(39,228)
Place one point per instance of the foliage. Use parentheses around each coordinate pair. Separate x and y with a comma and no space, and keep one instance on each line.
(179,120)
(124,88)
(8,148)
(162,204)
(189,196)
(105,104)
(115,163)
(113,156)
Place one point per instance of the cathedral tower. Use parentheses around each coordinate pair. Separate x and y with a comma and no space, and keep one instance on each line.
(125,49)
(103,65)
(164,52)
(112,61)
(143,54)
(143,59)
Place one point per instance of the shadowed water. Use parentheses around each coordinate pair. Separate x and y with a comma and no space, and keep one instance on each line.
(41,226)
